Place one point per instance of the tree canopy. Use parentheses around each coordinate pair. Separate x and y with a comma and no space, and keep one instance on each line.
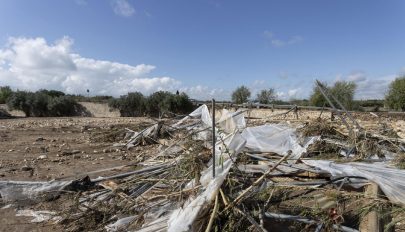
(343,91)
(266,96)
(395,98)
(241,95)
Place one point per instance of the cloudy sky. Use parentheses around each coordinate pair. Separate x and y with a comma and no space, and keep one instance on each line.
(205,47)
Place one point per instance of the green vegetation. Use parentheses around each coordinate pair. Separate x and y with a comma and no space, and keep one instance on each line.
(95,99)
(343,91)
(241,95)
(5,93)
(44,103)
(130,105)
(156,105)
(395,99)
(266,96)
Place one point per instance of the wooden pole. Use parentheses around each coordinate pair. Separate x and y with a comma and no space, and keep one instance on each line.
(213,138)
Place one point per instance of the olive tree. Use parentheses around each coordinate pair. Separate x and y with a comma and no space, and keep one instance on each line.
(343,91)
(266,96)
(395,98)
(5,93)
(240,95)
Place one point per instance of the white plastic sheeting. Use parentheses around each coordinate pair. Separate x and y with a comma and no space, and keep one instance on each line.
(26,191)
(275,138)
(268,138)
(39,216)
(390,180)
(182,219)
(231,121)
(201,112)
(121,224)
(233,136)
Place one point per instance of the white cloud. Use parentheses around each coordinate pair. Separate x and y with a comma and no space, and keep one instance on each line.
(367,87)
(373,88)
(32,64)
(293,93)
(123,8)
(200,92)
(356,76)
(276,42)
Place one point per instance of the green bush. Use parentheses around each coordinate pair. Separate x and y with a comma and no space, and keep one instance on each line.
(40,104)
(395,98)
(155,105)
(5,93)
(63,106)
(52,93)
(158,103)
(343,91)
(130,105)
(97,99)
(19,101)
(181,104)
(241,95)
(266,96)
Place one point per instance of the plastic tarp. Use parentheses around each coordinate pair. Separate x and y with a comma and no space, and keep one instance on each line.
(201,112)
(231,121)
(275,138)
(39,216)
(121,224)
(390,180)
(183,218)
(25,191)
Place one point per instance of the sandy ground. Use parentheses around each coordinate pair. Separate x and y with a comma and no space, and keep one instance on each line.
(41,149)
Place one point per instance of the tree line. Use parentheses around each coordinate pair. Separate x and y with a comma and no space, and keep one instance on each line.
(53,103)
(50,103)
(343,91)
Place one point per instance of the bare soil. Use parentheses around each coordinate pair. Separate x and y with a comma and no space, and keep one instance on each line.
(39,149)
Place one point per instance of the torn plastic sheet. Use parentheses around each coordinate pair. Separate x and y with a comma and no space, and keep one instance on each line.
(39,216)
(231,121)
(390,180)
(201,112)
(275,138)
(25,191)
(120,224)
(183,218)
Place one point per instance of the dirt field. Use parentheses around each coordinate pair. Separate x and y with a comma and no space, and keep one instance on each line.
(42,149)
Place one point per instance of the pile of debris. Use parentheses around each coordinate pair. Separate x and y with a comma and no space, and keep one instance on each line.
(228,176)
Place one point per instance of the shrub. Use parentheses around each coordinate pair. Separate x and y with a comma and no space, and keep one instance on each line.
(159,103)
(343,91)
(18,101)
(316,98)
(52,93)
(241,95)
(130,105)
(395,98)
(40,104)
(266,96)
(63,106)
(156,105)
(5,93)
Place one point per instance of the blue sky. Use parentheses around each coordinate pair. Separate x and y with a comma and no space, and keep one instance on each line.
(205,48)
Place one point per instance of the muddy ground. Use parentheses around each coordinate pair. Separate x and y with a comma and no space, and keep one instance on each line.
(42,149)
